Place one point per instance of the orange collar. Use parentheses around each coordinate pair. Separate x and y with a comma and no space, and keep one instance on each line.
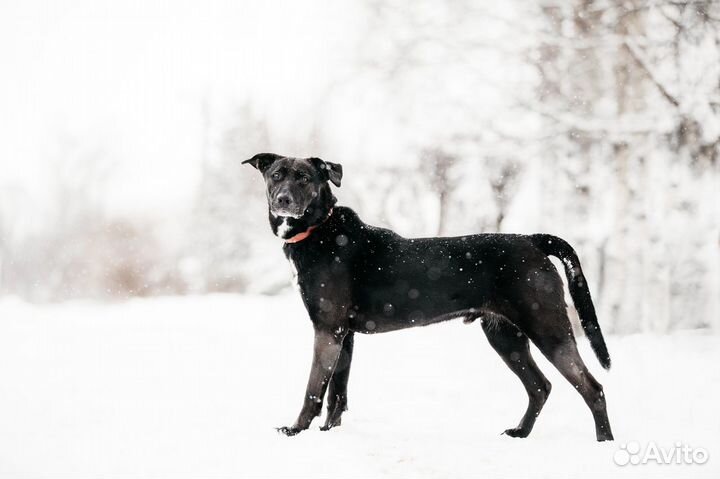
(301,236)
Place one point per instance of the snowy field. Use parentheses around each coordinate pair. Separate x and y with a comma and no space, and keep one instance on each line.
(193,387)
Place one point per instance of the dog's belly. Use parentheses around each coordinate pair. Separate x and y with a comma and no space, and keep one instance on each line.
(373,324)
(414,302)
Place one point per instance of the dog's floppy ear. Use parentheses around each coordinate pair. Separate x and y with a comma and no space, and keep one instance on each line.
(262,161)
(334,172)
(329,171)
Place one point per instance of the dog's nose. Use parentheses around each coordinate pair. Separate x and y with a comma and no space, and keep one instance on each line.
(283,200)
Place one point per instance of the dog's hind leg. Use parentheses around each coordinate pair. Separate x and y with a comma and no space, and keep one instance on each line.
(552,334)
(337,391)
(512,346)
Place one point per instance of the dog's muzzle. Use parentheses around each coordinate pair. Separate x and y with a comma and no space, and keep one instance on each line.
(285,212)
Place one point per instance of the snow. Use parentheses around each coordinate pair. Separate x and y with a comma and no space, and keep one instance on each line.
(194,386)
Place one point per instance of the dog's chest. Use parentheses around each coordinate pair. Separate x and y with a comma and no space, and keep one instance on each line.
(294,272)
(315,275)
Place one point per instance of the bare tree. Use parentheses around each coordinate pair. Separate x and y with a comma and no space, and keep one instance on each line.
(615,108)
(437,165)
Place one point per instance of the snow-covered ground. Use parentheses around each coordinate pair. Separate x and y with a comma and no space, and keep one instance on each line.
(193,387)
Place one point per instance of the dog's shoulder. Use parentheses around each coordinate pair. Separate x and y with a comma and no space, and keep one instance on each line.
(349,217)
(353,225)
(348,220)
(345,214)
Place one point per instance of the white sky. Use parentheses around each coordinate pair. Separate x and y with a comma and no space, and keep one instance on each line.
(129,78)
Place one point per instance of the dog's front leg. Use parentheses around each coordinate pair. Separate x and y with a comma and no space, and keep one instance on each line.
(325,355)
(337,391)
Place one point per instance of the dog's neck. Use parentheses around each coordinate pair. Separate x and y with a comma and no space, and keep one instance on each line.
(304,234)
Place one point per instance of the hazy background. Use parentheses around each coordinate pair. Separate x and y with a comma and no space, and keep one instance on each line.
(123,125)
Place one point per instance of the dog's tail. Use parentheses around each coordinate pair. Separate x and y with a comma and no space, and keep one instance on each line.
(579,291)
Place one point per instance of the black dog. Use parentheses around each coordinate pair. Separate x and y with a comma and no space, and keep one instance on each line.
(358,278)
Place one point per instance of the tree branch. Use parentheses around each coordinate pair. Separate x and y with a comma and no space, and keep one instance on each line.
(649,73)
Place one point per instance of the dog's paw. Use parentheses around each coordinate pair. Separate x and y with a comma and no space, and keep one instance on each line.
(331,424)
(288,431)
(516,432)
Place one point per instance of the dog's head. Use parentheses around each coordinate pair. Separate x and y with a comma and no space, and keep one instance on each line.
(297,189)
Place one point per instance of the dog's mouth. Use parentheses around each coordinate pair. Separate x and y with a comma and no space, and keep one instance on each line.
(287,212)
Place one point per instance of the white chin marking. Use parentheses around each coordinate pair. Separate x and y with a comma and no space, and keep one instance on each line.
(284,214)
(283,228)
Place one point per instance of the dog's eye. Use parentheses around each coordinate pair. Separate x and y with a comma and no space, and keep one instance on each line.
(304,180)
(276,176)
